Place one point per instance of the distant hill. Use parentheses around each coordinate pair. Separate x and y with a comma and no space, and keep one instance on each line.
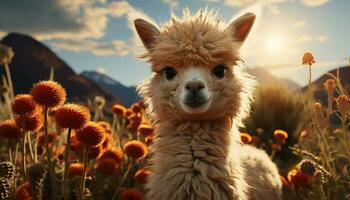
(32,63)
(318,88)
(126,94)
(264,77)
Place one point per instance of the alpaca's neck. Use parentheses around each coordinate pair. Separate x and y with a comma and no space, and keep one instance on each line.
(195,156)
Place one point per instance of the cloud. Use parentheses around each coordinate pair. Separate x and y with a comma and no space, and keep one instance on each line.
(54,19)
(300,23)
(116,47)
(239,3)
(313,3)
(307,38)
(70,25)
(171,3)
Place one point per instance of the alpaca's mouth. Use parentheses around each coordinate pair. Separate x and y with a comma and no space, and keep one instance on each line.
(195,101)
(195,104)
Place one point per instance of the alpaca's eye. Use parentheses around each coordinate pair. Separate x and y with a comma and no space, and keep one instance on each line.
(220,70)
(169,72)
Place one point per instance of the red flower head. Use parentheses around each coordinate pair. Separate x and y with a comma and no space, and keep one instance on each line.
(9,129)
(246,138)
(136,149)
(72,116)
(48,94)
(115,154)
(30,123)
(118,109)
(90,135)
(24,104)
(131,194)
(107,166)
(142,175)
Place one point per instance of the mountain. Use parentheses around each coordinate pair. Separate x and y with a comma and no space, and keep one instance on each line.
(318,88)
(32,63)
(126,94)
(264,77)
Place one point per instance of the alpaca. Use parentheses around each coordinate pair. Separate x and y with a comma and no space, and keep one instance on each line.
(197,97)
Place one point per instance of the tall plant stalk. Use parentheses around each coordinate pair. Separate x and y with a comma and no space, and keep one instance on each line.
(66,164)
(48,155)
(82,184)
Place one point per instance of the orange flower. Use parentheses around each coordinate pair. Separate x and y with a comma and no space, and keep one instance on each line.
(30,123)
(136,149)
(115,154)
(24,104)
(107,142)
(149,139)
(146,130)
(23,192)
(90,135)
(118,109)
(128,112)
(142,104)
(134,121)
(308,59)
(142,175)
(246,138)
(303,135)
(48,93)
(135,107)
(298,178)
(9,129)
(77,169)
(107,166)
(131,194)
(72,116)
(105,125)
(280,135)
(343,105)
(329,84)
(94,152)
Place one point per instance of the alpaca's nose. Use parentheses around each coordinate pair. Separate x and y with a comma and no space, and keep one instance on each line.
(194,85)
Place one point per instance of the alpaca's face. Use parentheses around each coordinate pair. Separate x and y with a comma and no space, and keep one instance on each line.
(193,63)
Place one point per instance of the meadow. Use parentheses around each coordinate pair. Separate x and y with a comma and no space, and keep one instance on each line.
(54,149)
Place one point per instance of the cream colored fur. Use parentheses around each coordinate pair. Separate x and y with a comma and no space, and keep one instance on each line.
(200,156)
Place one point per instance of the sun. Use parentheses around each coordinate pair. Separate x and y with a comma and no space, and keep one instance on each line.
(274,44)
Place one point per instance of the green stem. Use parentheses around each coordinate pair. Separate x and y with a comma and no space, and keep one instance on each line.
(123,179)
(66,164)
(48,156)
(82,185)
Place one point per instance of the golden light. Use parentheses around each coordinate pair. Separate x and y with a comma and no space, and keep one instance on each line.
(274,44)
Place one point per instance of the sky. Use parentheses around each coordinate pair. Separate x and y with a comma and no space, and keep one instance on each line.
(96,34)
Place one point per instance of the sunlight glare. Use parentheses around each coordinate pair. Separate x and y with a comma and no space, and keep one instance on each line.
(274,44)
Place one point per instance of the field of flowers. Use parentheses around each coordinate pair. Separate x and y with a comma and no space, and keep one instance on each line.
(51,149)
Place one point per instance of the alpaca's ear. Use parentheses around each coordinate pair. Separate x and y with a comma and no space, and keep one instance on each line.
(241,27)
(146,31)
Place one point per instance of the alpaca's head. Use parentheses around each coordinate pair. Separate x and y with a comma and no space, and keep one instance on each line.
(194,63)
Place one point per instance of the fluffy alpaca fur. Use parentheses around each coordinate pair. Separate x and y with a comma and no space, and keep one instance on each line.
(199,155)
